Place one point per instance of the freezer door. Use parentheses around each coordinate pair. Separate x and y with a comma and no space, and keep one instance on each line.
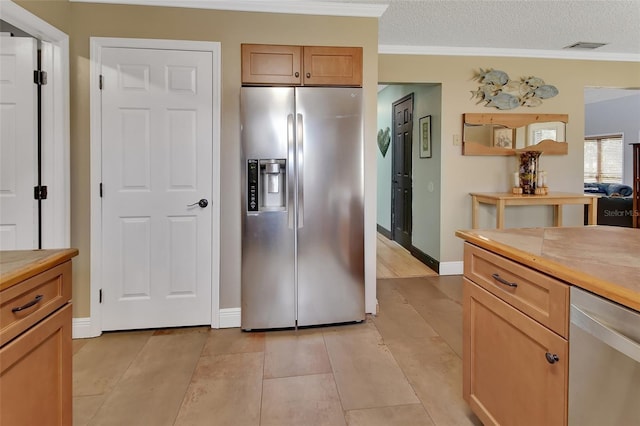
(267,278)
(330,200)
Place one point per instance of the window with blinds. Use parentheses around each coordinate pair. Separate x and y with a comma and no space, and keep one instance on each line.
(603,159)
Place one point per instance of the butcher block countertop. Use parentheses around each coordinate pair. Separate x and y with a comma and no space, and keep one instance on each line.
(602,259)
(18,265)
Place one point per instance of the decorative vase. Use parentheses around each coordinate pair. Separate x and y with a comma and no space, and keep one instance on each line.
(528,171)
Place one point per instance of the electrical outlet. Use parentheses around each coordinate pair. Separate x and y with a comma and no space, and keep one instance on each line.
(456,140)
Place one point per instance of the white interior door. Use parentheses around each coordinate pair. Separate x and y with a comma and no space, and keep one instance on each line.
(156,163)
(18,139)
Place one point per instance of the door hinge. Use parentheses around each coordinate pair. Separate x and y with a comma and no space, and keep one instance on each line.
(40,77)
(100,296)
(40,192)
(100,189)
(100,82)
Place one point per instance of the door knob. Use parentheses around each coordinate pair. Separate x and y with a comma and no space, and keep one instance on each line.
(202,203)
(552,358)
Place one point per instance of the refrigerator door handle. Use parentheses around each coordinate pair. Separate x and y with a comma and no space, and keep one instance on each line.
(290,170)
(300,165)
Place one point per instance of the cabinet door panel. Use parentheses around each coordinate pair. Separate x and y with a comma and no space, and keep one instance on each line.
(35,374)
(268,65)
(332,66)
(507,378)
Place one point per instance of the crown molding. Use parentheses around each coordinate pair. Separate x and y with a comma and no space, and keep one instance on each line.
(28,22)
(278,6)
(513,53)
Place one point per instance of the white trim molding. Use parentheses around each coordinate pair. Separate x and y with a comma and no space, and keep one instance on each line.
(511,53)
(451,268)
(81,328)
(229,318)
(56,230)
(276,6)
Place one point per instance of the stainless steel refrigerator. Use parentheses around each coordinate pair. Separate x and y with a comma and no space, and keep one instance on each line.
(302,206)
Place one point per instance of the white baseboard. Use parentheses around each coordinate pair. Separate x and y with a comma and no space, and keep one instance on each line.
(230,318)
(451,268)
(81,328)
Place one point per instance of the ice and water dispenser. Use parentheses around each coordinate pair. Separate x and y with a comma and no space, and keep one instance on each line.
(266,185)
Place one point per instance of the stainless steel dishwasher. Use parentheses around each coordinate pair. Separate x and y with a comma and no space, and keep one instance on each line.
(604,362)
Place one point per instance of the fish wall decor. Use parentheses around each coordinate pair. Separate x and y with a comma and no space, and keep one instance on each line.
(497,90)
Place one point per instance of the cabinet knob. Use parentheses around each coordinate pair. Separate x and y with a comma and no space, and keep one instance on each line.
(552,358)
(297,74)
(308,75)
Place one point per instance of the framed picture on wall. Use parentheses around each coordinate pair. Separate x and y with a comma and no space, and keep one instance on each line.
(425,136)
(503,137)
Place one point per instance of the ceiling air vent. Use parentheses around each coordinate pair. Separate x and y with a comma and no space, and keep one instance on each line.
(585,45)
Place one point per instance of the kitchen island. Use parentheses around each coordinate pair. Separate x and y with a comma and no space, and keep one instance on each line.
(516,308)
(602,259)
(35,337)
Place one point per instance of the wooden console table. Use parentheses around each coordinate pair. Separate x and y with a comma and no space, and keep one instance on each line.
(555,199)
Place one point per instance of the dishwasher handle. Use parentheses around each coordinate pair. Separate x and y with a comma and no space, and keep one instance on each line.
(606,334)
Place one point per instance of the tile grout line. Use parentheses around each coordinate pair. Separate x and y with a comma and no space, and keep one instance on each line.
(186,391)
(405,374)
(333,375)
(109,392)
(264,361)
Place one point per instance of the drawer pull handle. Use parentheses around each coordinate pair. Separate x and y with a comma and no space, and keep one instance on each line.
(35,300)
(552,358)
(503,281)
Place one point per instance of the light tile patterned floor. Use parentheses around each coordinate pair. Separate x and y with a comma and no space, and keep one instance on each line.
(401,367)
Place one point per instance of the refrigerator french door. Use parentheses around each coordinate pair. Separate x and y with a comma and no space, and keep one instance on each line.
(302,206)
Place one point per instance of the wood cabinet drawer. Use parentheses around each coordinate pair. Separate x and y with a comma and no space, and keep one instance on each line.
(543,298)
(24,304)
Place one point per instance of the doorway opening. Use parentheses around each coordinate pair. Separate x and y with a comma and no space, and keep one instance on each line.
(54,227)
(418,203)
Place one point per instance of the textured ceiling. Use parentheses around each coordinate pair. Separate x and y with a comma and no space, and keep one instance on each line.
(522,25)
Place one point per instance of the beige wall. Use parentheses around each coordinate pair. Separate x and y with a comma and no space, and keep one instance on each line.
(460,174)
(230,29)
(55,12)
(464,174)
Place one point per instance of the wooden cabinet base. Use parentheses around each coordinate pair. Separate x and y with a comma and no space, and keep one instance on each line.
(508,379)
(35,374)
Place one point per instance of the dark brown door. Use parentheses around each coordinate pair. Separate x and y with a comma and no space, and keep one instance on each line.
(401,193)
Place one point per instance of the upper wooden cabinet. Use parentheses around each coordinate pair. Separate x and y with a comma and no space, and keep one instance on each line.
(332,66)
(269,65)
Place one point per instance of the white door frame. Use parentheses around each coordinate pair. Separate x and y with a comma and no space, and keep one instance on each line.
(56,230)
(97,44)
